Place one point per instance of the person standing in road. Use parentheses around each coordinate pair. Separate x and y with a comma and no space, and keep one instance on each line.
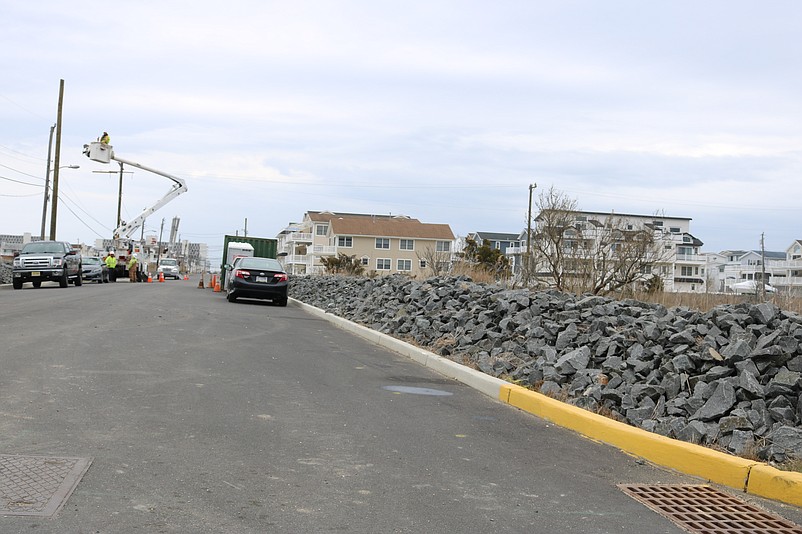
(132,268)
(105,139)
(111,263)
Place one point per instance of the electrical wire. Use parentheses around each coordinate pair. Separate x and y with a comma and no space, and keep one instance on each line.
(20,182)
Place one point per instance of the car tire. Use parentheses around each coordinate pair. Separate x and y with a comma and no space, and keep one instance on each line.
(63,281)
(230,296)
(37,283)
(17,284)
(79,280)
(282,301)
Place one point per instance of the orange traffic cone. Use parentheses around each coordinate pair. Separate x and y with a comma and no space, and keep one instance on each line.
(161,277)
(213,282)
(217,286)
(150,278)
(200,284)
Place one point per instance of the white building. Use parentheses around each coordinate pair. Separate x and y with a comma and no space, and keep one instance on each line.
(680,264)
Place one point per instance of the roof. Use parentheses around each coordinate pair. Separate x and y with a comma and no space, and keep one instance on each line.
(326,216)
(387,226)
(496,236)
(620,215)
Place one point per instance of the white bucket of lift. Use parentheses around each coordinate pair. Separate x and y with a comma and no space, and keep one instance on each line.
(100,152)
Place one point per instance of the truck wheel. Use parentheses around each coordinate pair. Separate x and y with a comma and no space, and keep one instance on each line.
(79,280)
(17,284)
(63,280)
(37,283)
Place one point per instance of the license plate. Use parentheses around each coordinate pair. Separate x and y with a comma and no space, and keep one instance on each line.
(261,279)
(36,273)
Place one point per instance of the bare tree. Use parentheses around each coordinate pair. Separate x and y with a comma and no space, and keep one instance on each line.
(436,262)
(601,254)
(551,239)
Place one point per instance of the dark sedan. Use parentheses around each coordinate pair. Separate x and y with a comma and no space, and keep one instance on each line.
(257,278)
(95,269)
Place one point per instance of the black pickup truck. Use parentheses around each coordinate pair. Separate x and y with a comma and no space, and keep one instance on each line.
(46,260)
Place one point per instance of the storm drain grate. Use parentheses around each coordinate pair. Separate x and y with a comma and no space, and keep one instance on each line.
(703,510)
(38,485)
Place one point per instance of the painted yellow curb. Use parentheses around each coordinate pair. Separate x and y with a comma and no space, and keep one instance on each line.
(772,483)
(688,458)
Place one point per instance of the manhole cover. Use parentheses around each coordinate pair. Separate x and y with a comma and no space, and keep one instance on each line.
(704,510)
(418,391)
(38,485)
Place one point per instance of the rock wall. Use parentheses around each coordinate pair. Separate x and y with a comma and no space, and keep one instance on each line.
(5,273)
(731,377)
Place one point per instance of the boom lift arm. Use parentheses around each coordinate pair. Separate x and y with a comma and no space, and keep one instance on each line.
(103,153)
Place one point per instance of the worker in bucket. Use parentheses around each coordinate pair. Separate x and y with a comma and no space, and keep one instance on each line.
(132,268)
(105,139)
(111,263)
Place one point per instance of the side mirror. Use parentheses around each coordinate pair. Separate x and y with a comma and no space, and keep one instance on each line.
(227,266)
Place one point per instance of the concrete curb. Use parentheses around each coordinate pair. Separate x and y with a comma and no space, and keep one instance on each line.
(749,476)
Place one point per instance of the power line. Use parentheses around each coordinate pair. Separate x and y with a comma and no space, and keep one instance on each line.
(20,181)
(20,172)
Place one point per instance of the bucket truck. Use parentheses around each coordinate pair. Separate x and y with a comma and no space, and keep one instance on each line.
(103,153)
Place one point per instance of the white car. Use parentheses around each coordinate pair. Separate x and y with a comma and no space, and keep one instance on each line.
(169,267)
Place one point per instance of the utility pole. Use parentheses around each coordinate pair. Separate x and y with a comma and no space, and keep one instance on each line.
(246,227)
(54,204)
(532,187)
(120,197)
(47,181)
(763,266)
(159,246)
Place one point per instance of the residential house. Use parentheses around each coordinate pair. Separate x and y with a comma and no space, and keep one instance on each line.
(783,270)
(383,243)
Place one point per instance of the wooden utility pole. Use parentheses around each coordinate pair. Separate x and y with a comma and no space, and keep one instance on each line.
(763,266)
(47,182)
(529,223)
(120,198)
(54,203)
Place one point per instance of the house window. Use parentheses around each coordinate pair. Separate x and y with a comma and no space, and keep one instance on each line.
(365,261)
(674,230)
(657,223)
(443,246)
(406,244)
(321,229)
(686,270)
(686,239)
(383,242)
(345,241)
(422,264)
(383,264)
(404,265)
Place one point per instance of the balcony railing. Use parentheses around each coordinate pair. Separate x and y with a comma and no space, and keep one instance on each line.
(298,236)
(324,249)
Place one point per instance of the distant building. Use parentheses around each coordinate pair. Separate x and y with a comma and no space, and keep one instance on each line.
(679,263)
(384,244)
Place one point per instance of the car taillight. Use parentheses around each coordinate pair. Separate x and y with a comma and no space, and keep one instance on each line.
(280,277)
(239,273)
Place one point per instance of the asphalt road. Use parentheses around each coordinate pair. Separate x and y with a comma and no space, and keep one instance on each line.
(206,416)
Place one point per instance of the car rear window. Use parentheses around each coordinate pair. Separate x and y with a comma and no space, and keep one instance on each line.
(267,264)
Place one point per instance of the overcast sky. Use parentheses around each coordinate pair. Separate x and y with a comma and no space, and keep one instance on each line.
(441,110)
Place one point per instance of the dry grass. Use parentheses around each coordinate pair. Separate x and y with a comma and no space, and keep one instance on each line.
(706,301)
(474,272)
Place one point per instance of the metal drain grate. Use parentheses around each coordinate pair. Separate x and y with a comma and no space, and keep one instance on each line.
(704,510)
(38,485)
